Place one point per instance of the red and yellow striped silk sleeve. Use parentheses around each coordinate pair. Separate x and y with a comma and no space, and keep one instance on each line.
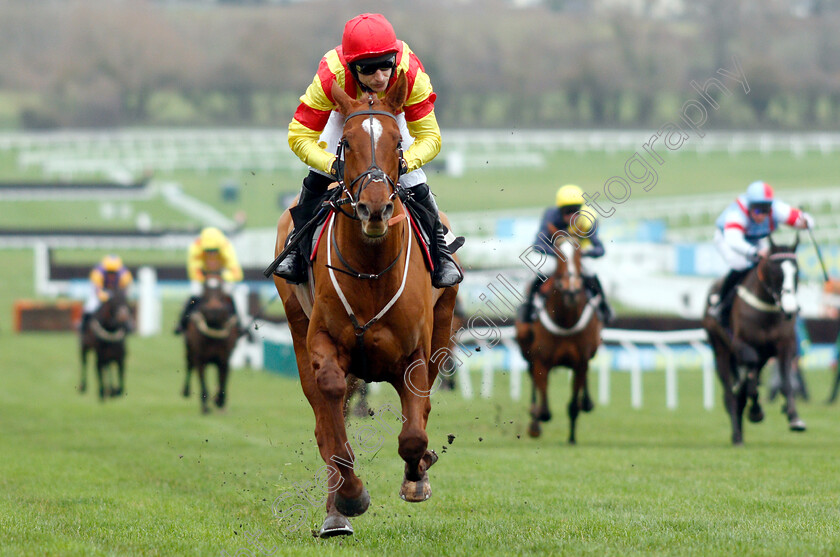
(313,112)
(420,113)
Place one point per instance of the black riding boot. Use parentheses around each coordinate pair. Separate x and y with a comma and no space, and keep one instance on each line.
(293,267)
(526,310)
(593,285)
(185,314)
(726,296)
(447,272)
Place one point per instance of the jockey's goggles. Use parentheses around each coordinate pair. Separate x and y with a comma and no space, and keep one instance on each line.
(762,209)
(374,66)
(570,209)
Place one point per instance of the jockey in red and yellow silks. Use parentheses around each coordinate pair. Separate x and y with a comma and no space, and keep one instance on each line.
(368,61)
(317,104)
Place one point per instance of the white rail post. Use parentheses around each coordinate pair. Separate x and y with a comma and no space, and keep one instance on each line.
(516,364)
(670,375)
(604,355)
(149,313)
(487,355)
(464,381)
(708,374)
(635,374)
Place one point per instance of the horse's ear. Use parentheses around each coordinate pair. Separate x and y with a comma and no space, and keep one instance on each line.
(395,98)
(796,242)
(772,244)
(341,98)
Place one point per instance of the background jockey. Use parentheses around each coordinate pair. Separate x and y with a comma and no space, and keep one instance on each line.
(107,277)
(741,229)
(210,253)
(368,61)
(569,203)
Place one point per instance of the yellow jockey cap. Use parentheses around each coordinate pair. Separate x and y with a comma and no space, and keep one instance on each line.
(212,239)
(569,195)
(112,263)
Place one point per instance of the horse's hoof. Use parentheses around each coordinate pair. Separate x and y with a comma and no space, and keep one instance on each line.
(756,415)
(82,388)
(205,410)
(587,405)
(219,401)
(572,441)
(335,525)
(416,492)
(534,430)
(544,416)
(185,393)
(797,424)
(353,507)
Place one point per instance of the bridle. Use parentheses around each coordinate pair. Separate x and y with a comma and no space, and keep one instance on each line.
(373,173)
(776,297)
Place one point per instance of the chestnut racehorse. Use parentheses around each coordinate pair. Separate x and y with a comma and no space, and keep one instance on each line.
(373,312)
(762,327)
(566,333)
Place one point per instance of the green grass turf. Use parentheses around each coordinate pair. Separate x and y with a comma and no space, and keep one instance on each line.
(149,475)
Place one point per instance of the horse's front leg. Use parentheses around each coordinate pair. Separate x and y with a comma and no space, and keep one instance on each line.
(785,357)
(221,394)
(83,382)
(539,408)
(205,409)
(350,497)
(120,377)
(414,391)
(725,366)
(578,393)
(186,390)
(100,375)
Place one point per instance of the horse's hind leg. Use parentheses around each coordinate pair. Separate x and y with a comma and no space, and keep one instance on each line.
(835,389)
(413,441)
(118,391)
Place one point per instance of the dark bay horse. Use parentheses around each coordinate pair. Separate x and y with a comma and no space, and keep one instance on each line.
(566,333)
(105,335)
(762,327)
(372,312)
(210,338)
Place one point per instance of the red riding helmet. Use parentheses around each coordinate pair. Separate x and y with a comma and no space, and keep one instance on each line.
(368,36)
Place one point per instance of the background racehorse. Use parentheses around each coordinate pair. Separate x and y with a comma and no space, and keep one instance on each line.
(567,333)
(210,338)
(105,335)
(762,327)
(379,329)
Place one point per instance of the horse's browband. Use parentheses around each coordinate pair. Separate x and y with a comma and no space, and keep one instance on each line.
(371,113)
(782,256)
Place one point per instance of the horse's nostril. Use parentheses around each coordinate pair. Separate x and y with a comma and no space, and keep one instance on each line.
(363,210)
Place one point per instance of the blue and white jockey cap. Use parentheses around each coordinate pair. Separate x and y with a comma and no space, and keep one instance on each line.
(759,193)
